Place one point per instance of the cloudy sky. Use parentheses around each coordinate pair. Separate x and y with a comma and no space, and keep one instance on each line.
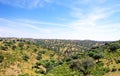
(60,19)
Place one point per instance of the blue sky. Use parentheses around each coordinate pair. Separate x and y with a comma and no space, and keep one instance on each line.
(60,19)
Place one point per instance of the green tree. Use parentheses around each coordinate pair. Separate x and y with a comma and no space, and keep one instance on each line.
(39,57)
(13,47)
(86,66)
(114,47)
(83,66)
(1,58)
(35,50)
(25,57)
(21,45)
(4,48)
(97,56)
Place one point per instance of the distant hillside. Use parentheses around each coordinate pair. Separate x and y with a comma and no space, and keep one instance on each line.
(46,57)
(71,45)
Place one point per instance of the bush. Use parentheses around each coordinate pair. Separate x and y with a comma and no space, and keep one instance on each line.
(114,47)
(106,69)
(91,54)
(40,71)
(75,57)
(60,62)
(1,58)
(97,56)
(4,48)
(48,65)
(38,63)
(86,65)
(113,69)
(75,65)
(42,52)
(100,64)
(119,69)
(25,57)
(13,47)
(117,61)
(39,57)
(35,50)
(21,45)
(68,59)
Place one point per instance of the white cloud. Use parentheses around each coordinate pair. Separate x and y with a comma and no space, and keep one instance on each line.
(94,23)
(19,28)
(26,3)
(91,23)
(29,28)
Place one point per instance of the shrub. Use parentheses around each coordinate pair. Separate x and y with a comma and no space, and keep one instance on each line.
(42,71)
(91,54)
(106,69)
(75,65)
(35,50)
(119,69)
(114,47)
(113,69)
(60,62)
(4,48)
(25,57)
(13,47)
(38,63)
(86,65)
(97,56)
(42,52)
(1,58)
(100,64)
(48,65)
(117,61)
(68,59)
(39,57)
(21,45)
(75,56)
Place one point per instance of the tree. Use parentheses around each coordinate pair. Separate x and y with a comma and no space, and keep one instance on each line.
(4,48)
(48,65)
(13,47)
(86,66)
(39,57)
(75,65)
(1,58)
(21,45)
(114,47)
(25,57)
(97,56)
(35,50)
(83,66)
(91,53)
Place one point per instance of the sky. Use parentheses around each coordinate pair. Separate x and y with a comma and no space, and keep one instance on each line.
(61,19)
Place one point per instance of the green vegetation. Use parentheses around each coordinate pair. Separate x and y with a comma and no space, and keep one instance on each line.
(35,57)
(1,58)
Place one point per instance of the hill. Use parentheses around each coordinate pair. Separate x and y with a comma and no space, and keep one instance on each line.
(46,57)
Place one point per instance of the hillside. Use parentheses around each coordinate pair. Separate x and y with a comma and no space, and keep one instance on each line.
(45,57)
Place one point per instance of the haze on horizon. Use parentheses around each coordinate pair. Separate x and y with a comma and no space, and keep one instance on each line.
(61,19)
